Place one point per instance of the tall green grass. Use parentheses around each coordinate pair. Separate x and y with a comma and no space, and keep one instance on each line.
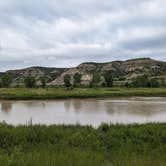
(53,93)
(116,145)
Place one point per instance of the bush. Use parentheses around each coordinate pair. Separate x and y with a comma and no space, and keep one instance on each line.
(42,145)
(43,81)
(144,81)
(154,83)
(77,79)
(67,80)
(6,80)
(30,82)
(96,80)
(108,79)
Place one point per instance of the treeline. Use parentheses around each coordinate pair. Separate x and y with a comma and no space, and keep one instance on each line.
(98,80)
(29,81)
(106,79)
(144,81)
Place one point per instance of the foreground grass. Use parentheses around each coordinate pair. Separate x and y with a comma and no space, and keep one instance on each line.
(114,145)
(53,93)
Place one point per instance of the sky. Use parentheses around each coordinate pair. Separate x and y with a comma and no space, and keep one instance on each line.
(65,33)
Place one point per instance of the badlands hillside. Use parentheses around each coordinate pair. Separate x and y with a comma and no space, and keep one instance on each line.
(122,71)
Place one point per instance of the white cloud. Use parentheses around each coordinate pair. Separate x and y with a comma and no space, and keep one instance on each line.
(52,32)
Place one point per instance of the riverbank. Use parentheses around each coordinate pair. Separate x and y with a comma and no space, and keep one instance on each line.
(62,93)
(76,145)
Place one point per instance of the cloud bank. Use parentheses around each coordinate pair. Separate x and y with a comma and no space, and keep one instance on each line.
(64,33)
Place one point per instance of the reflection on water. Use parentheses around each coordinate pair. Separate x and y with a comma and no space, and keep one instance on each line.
(139,108)
(84,111)
(6,107)
(67,104)
(34,104)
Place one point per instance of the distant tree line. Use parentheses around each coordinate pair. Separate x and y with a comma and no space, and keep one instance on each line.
(143,81)
(29,81)
(96,80)
(106,79)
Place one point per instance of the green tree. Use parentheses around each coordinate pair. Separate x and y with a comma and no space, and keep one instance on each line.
(43,81)
(0,83)
(6,80)
(163,81)
(77,79)
(30,82)
(108,79)
(127,84)
(96,79)
(67,80)
(154,83)
(141,81)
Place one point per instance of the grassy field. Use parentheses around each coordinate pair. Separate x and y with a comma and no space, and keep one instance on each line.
(109,145)
(53,93)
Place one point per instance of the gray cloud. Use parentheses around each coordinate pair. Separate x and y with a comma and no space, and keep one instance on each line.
(67,32)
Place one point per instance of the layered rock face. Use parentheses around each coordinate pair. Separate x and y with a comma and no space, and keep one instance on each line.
(37,72)
(121,70)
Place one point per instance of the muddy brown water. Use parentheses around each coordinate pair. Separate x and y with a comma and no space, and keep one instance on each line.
(84,111)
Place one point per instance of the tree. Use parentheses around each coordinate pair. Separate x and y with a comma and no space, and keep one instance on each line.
(141,81)
(154,83)
(30,82)
(67,80)
(145,81)
(163,81)
(43,81)
(77,79)
(0,83)
(96,79)
(6,80)
(108,79)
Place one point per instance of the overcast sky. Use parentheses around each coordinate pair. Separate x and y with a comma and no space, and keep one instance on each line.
(64,33)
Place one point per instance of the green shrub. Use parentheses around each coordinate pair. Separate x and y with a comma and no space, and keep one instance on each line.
(67,81)
(43,81)
(108,79)
(30,81)
(6,80)
(141,81)
(96,80)
(77,145)
(77,79)
(154,83)
(145,81)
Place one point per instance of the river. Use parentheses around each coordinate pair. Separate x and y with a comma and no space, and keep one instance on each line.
(84,111)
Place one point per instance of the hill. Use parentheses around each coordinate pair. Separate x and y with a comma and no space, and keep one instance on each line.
(122,71)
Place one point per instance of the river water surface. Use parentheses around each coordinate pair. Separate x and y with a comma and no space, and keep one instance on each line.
(84,111)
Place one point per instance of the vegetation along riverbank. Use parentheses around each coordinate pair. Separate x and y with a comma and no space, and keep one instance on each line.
(55,93)
(117,145)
